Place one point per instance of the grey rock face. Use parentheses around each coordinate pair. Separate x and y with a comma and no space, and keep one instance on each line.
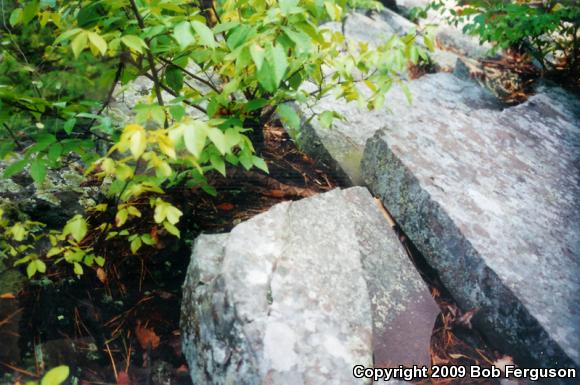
(301,294)
(491,198)
(345,140)
(54,201)
(450,38)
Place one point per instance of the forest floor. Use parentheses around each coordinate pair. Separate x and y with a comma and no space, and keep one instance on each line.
(120,325)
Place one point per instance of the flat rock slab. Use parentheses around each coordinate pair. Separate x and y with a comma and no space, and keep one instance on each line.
(343,144)
(492,200)
(302,293)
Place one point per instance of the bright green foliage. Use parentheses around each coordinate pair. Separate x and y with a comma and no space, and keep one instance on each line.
(55,376)
(219,75)
(547,29)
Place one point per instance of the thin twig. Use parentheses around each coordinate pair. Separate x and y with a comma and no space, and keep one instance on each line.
(112,362)
(22,371)
(385,212)
(149,55)
(190,74)
(173,93)
(13,136)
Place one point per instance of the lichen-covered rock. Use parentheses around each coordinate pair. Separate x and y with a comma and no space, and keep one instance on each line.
(301,294)
(344,142)
(492,199)
(59,197)
(449,37)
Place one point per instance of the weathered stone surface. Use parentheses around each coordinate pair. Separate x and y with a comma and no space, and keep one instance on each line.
(345,140)
(54,201)
(450,38)
(301,294)
(491,198)
(377,28)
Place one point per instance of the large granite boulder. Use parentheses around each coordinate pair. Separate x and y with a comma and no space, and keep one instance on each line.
(301,294)
(492,200)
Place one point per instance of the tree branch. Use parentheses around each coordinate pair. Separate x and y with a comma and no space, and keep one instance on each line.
(190,74)
(173,93)
(150,58)
(13,136)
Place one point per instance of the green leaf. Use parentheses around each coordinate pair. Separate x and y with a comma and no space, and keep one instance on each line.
(79,43)
(121,217)
(22,260)
(69,125)
(218,164)
(16,17)
(174,78)
(136,245)
(15,168)
(279,63)
(54,152)
(256,104)
(205,34)
(429,43)
(29,12)
(171,229)
(77,227)
(77,268)
(333,10)
(100,261)
(223,27)
(45,139)
(287,5)
(325,119)
(148,239)
(218,139)
(194,135)
(38,170)
(177,111)
(238,36)
(246,160)
(98,42)
(40,266)
(301,40)
(183,34)
(55,376)
(67,35)
(31,269)
(289,116)
(134,42)
(266,77)
(258,53)
(18,232)
(233,137)
(137,143)
(260,163)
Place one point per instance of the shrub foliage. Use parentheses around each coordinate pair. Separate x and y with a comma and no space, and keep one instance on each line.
(218,71)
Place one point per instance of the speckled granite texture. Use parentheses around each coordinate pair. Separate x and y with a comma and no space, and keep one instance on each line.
(492,200)
(302,293)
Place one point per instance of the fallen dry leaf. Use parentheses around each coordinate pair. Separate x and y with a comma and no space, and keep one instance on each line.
(146,336)
(101,275)
(225,206)
(123,379)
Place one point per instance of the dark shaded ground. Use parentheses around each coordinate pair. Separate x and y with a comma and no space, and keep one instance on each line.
(120,325)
